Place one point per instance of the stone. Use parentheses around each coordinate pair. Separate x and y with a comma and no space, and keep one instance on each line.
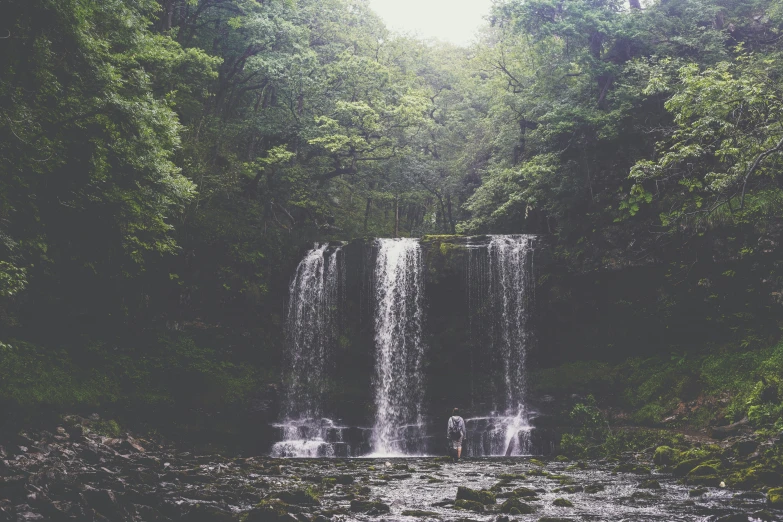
(515,503)
(365,506)
(481,496)
(743,448)
(299,497)
(734,517)
(594,488)
(665,456)
(562,502)
(419,513)
(525,492)
(775,497)
(470,505)
(632,468)
(650,484)
(684,467)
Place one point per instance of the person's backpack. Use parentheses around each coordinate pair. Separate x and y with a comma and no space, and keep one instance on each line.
(454,432)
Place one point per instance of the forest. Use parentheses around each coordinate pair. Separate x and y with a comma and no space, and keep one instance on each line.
(165,163)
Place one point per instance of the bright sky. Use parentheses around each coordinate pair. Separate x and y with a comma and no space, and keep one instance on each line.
(454,21)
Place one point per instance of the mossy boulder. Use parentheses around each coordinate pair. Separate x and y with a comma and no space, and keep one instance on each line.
(697,492)
(775,497)
(650,484)
(537,462)
(515,503)
(482,496)
(684,467)
(631,467)
(703,470)
(512,476)
(562,502)
(594,488)
(665,456)
(366,506)
(525,493)
(470,505)
(754,477)
(419,513)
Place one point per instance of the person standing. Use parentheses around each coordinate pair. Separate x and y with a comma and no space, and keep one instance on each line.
(456,434)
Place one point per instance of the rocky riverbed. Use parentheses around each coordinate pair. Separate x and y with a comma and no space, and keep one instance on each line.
(71,474)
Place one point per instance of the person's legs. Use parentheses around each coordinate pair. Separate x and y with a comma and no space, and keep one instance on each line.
(459,453)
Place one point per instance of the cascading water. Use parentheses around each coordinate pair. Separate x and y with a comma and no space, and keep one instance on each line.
(500,296)
(398,282)
(312,327)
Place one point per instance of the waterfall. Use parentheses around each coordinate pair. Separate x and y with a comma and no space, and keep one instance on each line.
(398,319)
(312,328)
(500,296)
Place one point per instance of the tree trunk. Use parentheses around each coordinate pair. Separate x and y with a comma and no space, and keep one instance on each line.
(397,216)
(367,210)
(451,218)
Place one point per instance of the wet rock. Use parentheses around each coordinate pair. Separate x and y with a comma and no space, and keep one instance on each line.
(743,448)
(631,467)
(703,470)
(665,456)
(570,489)
(207,513)
(299,497)
(103,501)
(419,513)
(515,503)
(650,484)
(775,497)
(684,467)
(594,488)
(750,495)
(697,492)
(470,505)
(764,515)
(734,517)
(366,506)
(525,493)
(562,502)
(13,488)
(270,511)
(481,496)
(555,519)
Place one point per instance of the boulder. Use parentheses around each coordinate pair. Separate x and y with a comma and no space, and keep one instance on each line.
(470,505)
(366,506)
(481,496)
(775,497)
(515,503)
(665,456)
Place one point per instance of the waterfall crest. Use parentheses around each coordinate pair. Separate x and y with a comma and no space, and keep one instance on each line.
(398,321)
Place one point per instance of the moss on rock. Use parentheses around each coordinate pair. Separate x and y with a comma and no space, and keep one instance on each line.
(515,503)
(470,505)
(562,502)
(481,496)
(665,456)
(775,497)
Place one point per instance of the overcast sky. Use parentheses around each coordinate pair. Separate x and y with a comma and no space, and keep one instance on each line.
(454,21)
